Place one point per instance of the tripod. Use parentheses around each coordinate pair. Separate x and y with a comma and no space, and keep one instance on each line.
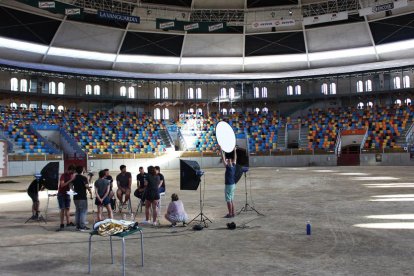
(36,216)
(247,206)
(203,218)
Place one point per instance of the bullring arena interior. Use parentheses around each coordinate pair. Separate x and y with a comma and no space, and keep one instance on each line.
(317,96)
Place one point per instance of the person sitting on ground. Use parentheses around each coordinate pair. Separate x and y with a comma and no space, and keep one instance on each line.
(63,197)
(141,177)
(80,186)
(102,198)
(124,181)
(175,212)
(152,195)
(161,186)
(33,192)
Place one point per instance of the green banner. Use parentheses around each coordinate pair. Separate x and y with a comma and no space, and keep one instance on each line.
(191,27)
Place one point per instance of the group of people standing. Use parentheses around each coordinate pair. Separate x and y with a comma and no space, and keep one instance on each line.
(149,187)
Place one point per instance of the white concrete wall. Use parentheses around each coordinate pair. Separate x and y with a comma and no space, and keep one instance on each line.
(387,159)
(18,168)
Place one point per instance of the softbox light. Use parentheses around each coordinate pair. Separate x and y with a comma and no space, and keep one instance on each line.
(189,178)
(50,175)
(242,157)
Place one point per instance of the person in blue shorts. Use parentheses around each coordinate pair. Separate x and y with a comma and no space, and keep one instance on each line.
(229,181)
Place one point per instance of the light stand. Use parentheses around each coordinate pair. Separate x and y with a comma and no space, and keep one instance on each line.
(203,218)
(247,206)
(38,217)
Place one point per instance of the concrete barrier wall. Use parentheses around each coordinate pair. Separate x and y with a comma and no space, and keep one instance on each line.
(386,159)
(17,168)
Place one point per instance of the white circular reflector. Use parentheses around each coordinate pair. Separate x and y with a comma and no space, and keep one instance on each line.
(225,136)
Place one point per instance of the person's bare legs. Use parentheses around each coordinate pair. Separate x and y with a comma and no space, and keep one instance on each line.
(109,209)
(62,216)
(229,207)
(99,212)
(147,207)
(154,211)
(119,196)
(67,212)
(127,195)
(232,208)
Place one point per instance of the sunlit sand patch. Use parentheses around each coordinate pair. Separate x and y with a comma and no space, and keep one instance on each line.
(393,199)
(389,225)
(389,185)
(353,173)
(366,178)
(395,216)
(396,195)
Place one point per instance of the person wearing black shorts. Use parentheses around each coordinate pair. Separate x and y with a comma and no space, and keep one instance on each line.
(152,195)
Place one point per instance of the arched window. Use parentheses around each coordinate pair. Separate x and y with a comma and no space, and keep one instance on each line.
(265,110)
(13,105)
(51,107)
(61,88)
(360,87)
(397,102)
(32,106)
(24,106)
(232,111)
(45,106)
(190,93)
(397,82)
(406,82)
(191,111)
(122,91)
(289,90)
(368,85)
(407,101)
(256,92)
(97,90)
(332,88)
(88,89)
(361,105)
(198,93)
(223,92)
(131,92)
(199,111)
(370,104)
(231,93)
(157,93)
(165,114)
(264,92)
(298,90)
(257,110)
(14,84)
(324,88)
(23,85)
(157,114)
(224,111)
(165,93)
(52,87)
(61,108)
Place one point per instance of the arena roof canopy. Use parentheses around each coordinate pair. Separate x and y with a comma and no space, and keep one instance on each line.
(207,39)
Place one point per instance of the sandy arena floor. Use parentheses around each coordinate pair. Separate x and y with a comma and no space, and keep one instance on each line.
(362,224)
